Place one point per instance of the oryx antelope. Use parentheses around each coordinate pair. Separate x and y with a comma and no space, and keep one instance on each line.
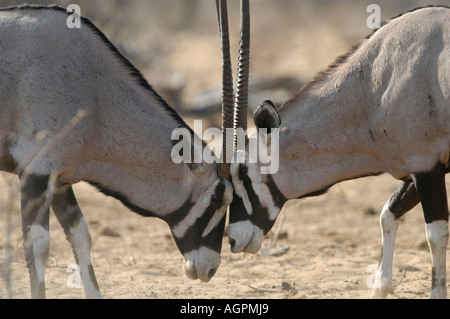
(382,107)
(74,109)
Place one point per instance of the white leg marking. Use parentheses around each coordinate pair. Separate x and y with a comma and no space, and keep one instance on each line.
(437,236)
(38,243)
(383,280)
(81,242)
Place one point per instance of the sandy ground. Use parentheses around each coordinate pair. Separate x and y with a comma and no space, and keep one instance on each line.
(333,240)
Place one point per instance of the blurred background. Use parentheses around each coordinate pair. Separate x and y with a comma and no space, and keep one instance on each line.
(175,43)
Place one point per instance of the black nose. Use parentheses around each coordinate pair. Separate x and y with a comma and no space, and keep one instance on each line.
(232,243)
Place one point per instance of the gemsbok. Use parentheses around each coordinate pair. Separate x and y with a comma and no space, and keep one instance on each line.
(74,109)
(382,107)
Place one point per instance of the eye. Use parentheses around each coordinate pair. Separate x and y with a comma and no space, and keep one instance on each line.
(243,172)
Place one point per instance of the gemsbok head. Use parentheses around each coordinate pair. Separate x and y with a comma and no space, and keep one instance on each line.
(382,107)
(74,109)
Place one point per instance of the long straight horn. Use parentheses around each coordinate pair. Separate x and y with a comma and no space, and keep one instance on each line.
(241,106)
(227,89)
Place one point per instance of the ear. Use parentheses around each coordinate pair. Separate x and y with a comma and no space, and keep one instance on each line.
(266,116)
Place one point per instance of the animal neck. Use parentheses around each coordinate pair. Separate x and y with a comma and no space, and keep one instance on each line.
(131,153)
(325,138)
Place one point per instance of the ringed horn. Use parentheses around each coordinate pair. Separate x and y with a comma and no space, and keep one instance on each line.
(234,111)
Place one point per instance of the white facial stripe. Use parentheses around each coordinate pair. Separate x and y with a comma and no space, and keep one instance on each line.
(217,217)
(199,208)
(263,192)
(240,189)
(195,213)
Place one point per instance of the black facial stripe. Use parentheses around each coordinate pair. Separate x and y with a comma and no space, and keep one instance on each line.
(238,208)
(260,214)
(217,198)
(180,213)
(277,196)
(243,170)
(214,239)
(193,239)
(220,188)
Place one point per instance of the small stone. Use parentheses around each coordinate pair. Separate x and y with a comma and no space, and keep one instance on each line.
(286,286)
(109,232)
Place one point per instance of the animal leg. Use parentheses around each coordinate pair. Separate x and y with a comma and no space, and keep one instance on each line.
(433,196)
(70,217)
(403,200)
(35,207)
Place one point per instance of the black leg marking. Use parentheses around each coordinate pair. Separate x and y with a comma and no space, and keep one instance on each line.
(70,217)
(433,195)
(401,201)
(404,199)
(35,206)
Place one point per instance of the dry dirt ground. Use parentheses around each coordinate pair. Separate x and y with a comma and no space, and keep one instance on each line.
(331,241)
